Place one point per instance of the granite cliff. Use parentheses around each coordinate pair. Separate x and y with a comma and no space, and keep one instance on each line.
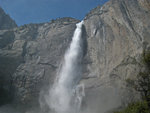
(5,21)
(115,36)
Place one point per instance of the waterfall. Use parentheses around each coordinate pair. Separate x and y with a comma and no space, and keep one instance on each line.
(65,96)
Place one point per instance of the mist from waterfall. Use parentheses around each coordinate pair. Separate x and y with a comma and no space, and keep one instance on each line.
(65,96)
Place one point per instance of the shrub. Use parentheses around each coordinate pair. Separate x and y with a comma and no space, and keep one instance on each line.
(146,58)
(142,85)
(130,82)
(137,107)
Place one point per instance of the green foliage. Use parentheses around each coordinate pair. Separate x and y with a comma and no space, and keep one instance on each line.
(52,20)
(146,58)
(142,85)
(130,81)
(137,107)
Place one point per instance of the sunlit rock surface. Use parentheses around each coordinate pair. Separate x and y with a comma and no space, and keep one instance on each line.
(117,34)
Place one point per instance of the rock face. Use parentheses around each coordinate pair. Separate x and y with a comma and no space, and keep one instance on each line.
(116,36)
(30,55)
(5,21)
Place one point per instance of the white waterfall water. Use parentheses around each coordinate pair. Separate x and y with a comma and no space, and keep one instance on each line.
(65,96)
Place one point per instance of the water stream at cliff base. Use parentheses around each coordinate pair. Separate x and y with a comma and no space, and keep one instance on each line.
(65,96)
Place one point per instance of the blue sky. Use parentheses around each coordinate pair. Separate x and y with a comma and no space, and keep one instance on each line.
(38,11)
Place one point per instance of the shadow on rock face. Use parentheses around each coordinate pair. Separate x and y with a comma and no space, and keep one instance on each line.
(5,96)
(7,109)
(84,37)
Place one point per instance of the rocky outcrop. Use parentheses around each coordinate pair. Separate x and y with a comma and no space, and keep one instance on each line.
(42,50)
(115,36)
(30,55)
(5,21)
